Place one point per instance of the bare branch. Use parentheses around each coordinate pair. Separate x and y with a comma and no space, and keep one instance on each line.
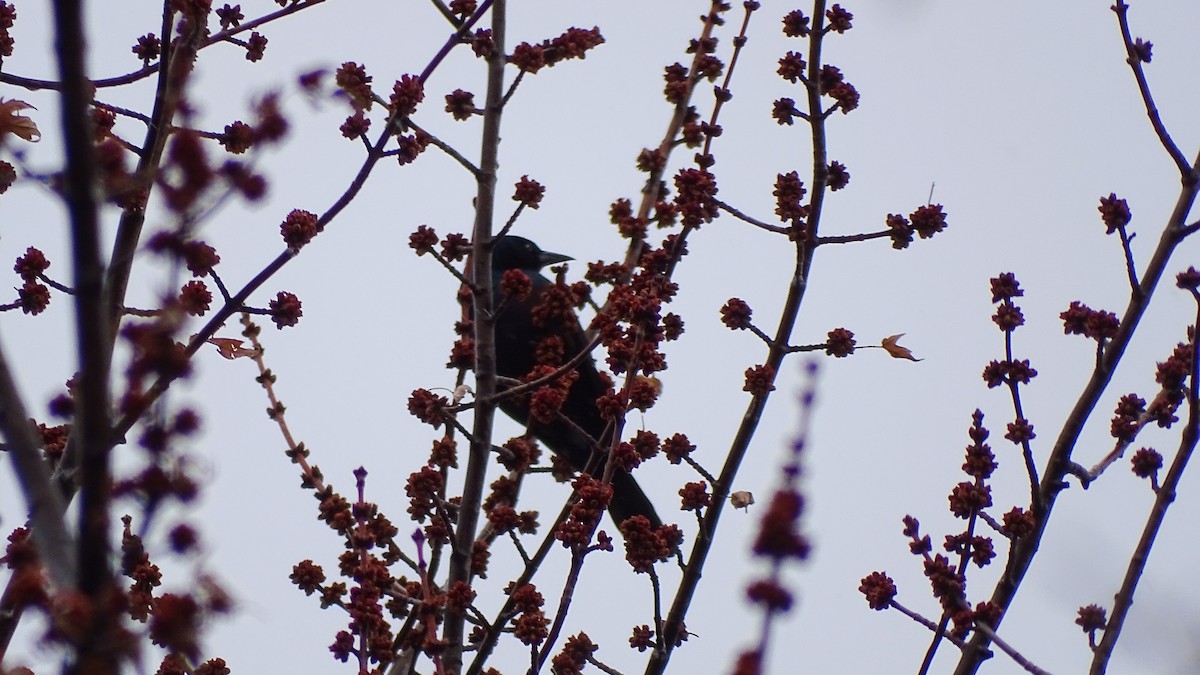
(1186,173)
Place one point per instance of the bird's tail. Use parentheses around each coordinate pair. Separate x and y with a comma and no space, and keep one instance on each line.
(629,500)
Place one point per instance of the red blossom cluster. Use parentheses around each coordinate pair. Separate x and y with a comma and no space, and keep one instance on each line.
(759,380)
(574,655)
(736,314)
(967,500)
(353,80)
(462,8)
(238,137)
(1099,325)
(1018,523)
(778,536)
(32,297)
(839,19)
(355,126)
(516,285)
(594,497)
(499,507)
(407,92)
(148,48)
(642,638)
(646,545)
(28,583)
(529,622)
(8,16)
(529,192)
(695,197)
(299,228)
(370,551)
(8,176)
(1132,412)
(1126,419)
(926,221)
(191,173)
(840,343)
(879,590)
(460,104)
(410,146)
(256,46)
(573,44)
(1114,212)
(1188,279)
(1001,372)
(630,226)
(428,407)
(632,324)
(285,309)
(1146,463)
(1092,618)
(789,196)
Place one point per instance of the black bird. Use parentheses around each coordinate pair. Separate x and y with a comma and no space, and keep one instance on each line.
(518,335)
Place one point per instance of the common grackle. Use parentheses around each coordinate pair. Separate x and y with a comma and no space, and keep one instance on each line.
(519,332)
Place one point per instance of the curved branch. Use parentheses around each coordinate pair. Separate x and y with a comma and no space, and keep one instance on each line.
(1186,173)
(34,84)
(1059,463)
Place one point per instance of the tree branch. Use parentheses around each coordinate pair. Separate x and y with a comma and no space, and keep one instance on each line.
(1059,464)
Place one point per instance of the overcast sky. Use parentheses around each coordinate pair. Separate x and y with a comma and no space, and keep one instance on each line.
(1023,114)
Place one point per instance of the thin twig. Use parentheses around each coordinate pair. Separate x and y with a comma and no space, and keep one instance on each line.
(33,84)
(549,378)
(441,7)
(722,92)
(145,119)
(794,349)
(1130,269)
(578,554)
(924,622)
(939,633)
(1135,63)
(777,229)
(1008,649)
(512,88)
(1019,411)
(851,238)
(712,480)
(446,148)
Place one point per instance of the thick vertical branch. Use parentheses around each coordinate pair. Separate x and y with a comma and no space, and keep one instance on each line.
(485,344)
(46,507)
(133,217)
(705,538)
(96,652)
(175,62)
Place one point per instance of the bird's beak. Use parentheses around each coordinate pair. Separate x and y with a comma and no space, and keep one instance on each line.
(547,258)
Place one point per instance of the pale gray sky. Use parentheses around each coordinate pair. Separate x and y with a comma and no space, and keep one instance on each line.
(1024,114)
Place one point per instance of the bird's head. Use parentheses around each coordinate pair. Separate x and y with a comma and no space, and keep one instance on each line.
(518,253)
